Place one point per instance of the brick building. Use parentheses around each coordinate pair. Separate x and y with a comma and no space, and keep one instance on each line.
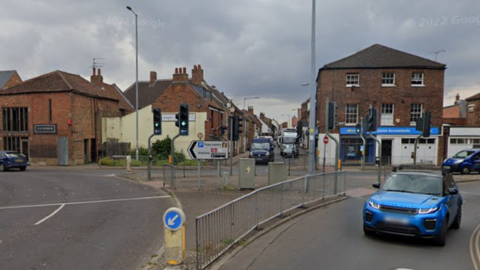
(9,78)
(55,118)
(401,86)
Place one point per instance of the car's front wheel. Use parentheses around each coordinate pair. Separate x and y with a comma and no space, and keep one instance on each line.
(466,170)
(458,219)
(440,240)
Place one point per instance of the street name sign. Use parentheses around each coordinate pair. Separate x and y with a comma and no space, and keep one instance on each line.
(208,150)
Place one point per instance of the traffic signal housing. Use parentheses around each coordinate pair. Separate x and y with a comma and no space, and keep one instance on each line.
(372,119)
(157,121)
(427,116)
(237,127)
(183,120)
(332,115)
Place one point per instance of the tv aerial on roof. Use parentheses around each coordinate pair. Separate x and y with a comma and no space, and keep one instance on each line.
(96,64)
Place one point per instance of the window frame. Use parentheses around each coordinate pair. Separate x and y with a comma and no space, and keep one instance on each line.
(350,81)
(422,81)
(383,120)
(349,115)
(387,78)
(419,114)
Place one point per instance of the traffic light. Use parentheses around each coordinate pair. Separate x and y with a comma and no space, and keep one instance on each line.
(372,119)
(358,128)
(332,115)
(419,124)
(237,127)
(183,119)
(223,129)
(426,124)
(157,121)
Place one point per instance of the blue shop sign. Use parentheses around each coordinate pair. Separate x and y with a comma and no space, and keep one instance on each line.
(390,131)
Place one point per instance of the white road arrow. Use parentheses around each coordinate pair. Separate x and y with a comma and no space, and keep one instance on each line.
(171,221)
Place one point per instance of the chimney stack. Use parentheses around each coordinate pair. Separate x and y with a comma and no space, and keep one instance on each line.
(180,75)
(153,77)
(96,78)
(197,75)
(250,109)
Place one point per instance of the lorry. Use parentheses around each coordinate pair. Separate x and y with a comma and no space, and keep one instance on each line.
(288,142)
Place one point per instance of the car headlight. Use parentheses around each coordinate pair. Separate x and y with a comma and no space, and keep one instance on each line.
(374,204)
(427,210)
(268,154)
(251,154)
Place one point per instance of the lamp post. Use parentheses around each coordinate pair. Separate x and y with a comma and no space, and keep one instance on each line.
(136,78)
(245,99)
(313,94)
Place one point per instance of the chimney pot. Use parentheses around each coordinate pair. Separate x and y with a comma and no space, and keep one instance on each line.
(194,66)
(184,70)
(199,66)
(99,72)
(457,97)
(176,70)
(93,72)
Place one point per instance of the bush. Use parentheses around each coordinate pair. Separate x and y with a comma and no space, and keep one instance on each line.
(142,151)
(162,149)
(107,162)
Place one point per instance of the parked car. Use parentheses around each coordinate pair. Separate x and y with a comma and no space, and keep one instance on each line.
(464,162)
(289,150)
(414,204)
(262,150)
(12,159)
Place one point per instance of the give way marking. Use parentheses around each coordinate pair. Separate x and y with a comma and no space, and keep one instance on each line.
(61,205)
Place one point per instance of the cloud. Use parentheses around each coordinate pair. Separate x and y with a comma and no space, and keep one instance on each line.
(246,47)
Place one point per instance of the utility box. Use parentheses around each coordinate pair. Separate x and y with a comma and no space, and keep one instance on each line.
(277,172)
(246,175)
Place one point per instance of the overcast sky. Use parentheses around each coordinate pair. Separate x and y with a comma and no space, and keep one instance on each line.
(247,48)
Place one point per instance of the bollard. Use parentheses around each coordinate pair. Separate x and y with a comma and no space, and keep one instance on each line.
(174,220)
(129,163)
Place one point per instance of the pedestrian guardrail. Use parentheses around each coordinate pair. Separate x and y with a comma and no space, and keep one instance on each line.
(220,229)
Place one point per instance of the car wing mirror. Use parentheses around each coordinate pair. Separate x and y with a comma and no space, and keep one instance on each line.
(376,185)
(452,191)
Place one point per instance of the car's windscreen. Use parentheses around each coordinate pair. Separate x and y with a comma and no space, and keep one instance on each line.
(463,154)
(412,183)
(14,154)
(260,146)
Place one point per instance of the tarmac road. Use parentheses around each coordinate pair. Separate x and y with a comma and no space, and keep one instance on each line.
(54,218)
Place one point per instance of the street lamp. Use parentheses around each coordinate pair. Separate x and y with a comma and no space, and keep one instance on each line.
(313,94)
(136,78)
(245,99)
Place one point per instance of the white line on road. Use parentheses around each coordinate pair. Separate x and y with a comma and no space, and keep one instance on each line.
(86,202)
(51,215)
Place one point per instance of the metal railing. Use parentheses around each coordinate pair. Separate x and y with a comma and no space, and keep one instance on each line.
(220,229)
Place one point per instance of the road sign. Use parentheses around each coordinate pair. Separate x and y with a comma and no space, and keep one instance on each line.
(208,150)
(325,139)
(174,218)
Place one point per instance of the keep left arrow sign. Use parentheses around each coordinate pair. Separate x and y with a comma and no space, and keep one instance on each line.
(191,149)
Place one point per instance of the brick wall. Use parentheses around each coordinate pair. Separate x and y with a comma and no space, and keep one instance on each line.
(332,84)
(14,80)
(473,113)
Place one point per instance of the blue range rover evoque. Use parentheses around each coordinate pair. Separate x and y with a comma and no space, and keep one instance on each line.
(415,204)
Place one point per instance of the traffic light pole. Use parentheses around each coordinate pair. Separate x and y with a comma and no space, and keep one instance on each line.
(149,173)
(337,150)
(364,143)
(173,160)
(230,137)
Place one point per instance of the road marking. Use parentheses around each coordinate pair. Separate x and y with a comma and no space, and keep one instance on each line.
(51,215)
(85,202)
(474,247)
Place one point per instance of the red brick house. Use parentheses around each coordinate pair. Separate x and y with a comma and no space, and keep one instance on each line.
(401,86)
(55,118)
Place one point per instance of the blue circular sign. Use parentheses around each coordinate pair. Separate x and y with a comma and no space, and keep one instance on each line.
(174,218)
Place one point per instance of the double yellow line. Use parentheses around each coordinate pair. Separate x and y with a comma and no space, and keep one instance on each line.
(474,248)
